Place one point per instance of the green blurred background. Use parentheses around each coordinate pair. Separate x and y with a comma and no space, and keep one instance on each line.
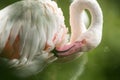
(102,63)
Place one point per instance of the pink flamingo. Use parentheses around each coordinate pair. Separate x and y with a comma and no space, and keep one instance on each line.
(33,33)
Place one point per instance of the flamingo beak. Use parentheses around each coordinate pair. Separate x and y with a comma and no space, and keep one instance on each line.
(70,49)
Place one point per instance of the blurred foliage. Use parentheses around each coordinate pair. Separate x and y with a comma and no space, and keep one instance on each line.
(103,62)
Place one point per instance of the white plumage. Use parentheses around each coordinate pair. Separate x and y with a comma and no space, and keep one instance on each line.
(36,22)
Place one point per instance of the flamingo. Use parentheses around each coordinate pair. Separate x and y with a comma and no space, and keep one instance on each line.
(33,33)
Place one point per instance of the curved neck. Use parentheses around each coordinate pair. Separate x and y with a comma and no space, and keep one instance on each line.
(76,10)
